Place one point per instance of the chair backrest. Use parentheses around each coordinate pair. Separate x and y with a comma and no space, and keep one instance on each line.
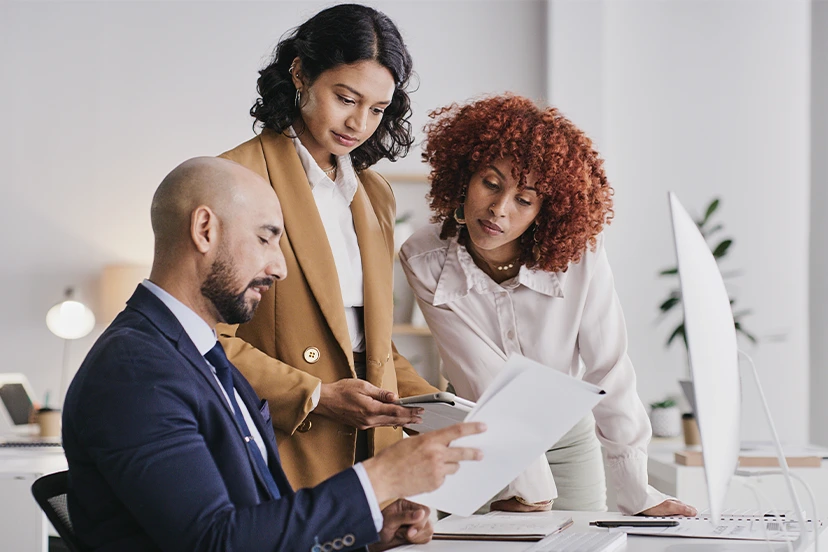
(50,493)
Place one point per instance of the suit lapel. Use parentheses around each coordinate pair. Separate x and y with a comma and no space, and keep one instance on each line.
(377,286)
(307,235)
(144,301)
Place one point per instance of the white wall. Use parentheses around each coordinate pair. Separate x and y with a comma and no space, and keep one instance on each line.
(706,99)
(101,99)
(819,223)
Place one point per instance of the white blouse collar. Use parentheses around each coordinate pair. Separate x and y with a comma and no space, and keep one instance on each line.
(346,179)
(461,275)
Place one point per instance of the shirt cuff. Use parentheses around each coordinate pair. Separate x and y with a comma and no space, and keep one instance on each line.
(376,513)
(315,396)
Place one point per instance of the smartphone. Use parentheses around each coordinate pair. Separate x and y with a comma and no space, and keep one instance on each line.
(612,523)
(442,397)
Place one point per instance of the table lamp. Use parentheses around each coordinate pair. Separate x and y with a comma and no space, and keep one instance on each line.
(69,320)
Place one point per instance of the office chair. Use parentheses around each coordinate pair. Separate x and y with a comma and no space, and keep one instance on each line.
(50,493)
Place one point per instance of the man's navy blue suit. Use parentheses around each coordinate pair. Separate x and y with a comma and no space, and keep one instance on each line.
(156,459)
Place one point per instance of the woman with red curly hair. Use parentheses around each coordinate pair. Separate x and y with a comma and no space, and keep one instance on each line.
(516,264)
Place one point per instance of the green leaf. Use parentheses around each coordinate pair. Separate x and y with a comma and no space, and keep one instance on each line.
(668,403)
(669,303)
(721,249)
(710,210)
(668,272)
(679,331)
(747,334)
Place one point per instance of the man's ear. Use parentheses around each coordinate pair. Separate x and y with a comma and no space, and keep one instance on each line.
(204,228)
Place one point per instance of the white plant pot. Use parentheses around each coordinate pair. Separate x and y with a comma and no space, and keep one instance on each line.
(666,422)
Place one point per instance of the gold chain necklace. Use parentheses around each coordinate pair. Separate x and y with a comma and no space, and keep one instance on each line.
(505,267)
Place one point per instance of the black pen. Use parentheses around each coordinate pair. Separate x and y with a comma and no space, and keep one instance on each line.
(613,523)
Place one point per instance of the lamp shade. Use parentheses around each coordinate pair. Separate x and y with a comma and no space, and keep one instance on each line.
(70,319)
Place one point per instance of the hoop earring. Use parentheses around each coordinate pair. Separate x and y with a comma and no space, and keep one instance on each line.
(297,99)
(460,212)
(536,252)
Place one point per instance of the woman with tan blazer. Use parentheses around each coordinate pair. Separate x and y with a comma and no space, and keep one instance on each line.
(319,348)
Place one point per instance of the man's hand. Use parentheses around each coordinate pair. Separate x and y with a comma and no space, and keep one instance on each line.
(404,522)
(671,507)
(420,464)
(512,505)
(359,404)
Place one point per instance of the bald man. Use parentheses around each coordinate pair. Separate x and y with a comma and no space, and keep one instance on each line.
(168,446)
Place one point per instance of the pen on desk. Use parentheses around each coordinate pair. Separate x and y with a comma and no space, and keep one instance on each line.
(614,523)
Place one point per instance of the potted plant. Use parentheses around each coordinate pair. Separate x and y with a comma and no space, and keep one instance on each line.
(665,417)
(720,247)
(708,228)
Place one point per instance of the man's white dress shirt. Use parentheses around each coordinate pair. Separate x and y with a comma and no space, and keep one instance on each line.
(553,318)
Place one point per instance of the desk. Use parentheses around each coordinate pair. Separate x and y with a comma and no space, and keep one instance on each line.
(634,543)
(687,483)
(23,525)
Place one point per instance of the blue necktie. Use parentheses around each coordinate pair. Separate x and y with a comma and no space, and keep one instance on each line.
(218,359)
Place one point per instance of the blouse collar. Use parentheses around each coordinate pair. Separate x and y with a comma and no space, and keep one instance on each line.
(346,179)
(461,275)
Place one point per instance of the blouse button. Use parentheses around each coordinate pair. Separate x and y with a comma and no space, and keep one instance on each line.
(510,334)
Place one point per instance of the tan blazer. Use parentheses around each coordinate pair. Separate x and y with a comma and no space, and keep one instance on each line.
(299,335)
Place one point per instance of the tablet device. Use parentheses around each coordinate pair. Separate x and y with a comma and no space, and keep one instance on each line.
(439,410)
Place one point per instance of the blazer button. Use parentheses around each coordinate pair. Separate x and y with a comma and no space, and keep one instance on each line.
(305,426)
(312,355)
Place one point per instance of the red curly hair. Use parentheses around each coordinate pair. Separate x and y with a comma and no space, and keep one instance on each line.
(576,197)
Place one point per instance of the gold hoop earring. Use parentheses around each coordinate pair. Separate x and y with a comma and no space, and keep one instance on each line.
(536,252)
(460,212)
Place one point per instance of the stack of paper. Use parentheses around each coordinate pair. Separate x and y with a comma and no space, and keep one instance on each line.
(526,409)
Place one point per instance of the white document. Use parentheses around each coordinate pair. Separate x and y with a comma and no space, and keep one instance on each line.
(502,525)
(527,409)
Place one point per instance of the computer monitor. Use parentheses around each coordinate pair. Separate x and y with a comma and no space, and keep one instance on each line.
(16,403)
(713,355)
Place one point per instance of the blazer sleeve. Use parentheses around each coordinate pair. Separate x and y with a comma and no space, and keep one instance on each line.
(379,190)
(277,382)
(142,428)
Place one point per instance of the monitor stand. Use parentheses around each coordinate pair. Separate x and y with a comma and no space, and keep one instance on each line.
(804,540)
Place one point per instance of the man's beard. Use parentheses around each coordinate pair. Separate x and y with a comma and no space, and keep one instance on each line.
(218,288)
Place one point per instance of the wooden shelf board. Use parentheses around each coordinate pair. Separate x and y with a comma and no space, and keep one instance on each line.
(408,329)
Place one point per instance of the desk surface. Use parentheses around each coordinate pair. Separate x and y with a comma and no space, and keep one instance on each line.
(634,543)
(32,461)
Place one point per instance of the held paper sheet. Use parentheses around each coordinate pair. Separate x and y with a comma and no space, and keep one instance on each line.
(527,409)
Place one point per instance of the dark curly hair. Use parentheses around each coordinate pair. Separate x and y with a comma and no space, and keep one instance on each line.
(342,34)
(576,197)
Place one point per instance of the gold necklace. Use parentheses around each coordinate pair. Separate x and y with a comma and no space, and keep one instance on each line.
(330,170)
(507,266)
